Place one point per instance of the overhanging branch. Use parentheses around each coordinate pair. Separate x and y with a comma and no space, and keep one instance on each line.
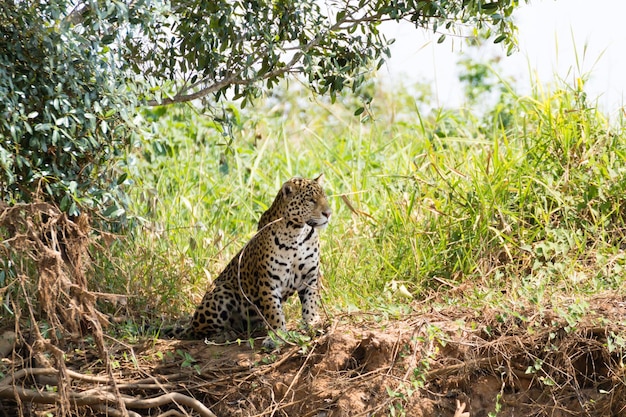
(183,96)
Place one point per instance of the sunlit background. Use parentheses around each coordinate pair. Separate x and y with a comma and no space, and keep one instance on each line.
(557,40)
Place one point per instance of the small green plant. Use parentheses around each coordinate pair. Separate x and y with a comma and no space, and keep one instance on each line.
(269,359)
(535,367)
(498,406)
(298,338)
(547,380)
(418,378)
(616,343)
(575,312)
(398,396)
(188,361)
(130,357)
(114,363)
(436,335)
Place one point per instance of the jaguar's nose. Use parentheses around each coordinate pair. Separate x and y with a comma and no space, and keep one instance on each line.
(327,213)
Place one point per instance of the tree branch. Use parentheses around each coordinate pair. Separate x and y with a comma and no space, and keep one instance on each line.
(233,79)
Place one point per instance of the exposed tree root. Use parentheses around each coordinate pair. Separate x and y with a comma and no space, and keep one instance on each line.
(102,399)
(46,254)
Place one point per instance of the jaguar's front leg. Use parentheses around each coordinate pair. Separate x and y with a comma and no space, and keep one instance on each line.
(309,296)
(275,320)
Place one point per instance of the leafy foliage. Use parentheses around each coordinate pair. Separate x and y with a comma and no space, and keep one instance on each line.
(238,47)
(72,72)
(64,111)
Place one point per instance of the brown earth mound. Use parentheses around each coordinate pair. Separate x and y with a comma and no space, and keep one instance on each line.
(424,365)
(453,362)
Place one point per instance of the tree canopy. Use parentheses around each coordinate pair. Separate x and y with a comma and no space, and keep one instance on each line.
(241,46)
(73,72)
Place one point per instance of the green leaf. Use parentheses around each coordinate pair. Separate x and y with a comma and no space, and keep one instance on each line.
(490,6)
(108,39)
(113,212)
(359,111)
(66,202)
(499,38)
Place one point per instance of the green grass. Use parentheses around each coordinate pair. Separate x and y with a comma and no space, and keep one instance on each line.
(523,204)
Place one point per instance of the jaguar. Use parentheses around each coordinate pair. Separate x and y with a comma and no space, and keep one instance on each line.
(281,259)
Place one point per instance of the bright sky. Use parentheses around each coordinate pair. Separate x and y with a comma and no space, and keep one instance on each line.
(557,39)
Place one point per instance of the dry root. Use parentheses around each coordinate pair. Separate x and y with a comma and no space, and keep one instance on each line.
(44,257)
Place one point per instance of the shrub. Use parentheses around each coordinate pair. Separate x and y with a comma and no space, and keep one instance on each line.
(63,112)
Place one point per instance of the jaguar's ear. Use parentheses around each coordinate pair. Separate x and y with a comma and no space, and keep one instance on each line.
(287,189)
(319,179)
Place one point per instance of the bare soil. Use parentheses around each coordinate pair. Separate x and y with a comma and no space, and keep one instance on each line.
(427,364)
(455,362)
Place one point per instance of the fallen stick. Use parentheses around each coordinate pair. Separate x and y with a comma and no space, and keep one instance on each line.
(14,392)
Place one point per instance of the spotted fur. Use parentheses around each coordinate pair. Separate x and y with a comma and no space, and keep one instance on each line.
(280,260)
